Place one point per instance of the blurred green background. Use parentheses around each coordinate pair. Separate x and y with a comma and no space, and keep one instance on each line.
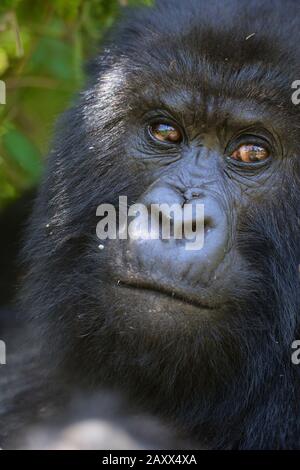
(43,46)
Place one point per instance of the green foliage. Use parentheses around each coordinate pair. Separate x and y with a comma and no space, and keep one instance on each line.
(43,45)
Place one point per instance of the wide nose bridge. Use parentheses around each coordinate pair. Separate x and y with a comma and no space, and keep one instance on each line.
(197,171)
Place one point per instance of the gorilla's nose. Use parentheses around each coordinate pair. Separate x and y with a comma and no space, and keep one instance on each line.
(187,238)
(181,221)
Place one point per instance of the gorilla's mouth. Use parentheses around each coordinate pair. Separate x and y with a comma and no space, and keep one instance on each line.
(167,291)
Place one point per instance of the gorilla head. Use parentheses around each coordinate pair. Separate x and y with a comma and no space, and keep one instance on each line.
(189,102)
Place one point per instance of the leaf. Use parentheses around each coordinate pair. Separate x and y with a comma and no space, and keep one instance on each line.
(23,152)
(3,61)
(54,57)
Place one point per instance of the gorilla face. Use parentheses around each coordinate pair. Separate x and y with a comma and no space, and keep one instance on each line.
(224,159)
(197,130)
(185,108)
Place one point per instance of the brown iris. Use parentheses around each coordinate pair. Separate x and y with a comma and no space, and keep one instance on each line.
(250,153)
(166,133)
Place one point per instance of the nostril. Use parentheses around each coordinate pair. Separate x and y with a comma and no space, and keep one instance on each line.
(208,224)
(192,193)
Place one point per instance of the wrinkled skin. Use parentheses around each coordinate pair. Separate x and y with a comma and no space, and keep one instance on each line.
(200,338)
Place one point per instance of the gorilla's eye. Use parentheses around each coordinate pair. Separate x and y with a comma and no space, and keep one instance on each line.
(166,133)
(249,153)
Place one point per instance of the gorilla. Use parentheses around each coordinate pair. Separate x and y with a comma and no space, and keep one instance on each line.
(188,103)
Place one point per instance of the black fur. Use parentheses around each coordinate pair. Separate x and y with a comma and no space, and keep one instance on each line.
(229,382)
